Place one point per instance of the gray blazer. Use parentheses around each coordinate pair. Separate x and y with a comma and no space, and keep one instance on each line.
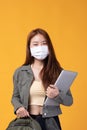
(22,79)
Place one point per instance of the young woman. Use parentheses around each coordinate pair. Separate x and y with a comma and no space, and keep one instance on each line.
(34,81)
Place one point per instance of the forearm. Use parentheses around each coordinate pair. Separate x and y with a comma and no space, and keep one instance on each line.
(64,98)
(16,103)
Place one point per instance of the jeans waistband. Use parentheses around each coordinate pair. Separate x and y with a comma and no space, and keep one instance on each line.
(35,116)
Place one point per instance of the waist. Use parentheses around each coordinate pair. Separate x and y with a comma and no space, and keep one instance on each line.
(36,116)
(35,109)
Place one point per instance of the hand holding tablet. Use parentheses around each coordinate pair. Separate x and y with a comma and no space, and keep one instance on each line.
(63,82)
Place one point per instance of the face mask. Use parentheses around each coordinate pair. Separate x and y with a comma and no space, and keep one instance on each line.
(39,52)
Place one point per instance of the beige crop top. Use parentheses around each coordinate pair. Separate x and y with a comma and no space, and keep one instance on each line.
(37,93)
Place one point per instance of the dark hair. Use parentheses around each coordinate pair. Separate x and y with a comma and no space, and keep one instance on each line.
(51,68)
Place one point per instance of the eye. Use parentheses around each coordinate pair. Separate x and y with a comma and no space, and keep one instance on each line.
(35,43)
(44,42)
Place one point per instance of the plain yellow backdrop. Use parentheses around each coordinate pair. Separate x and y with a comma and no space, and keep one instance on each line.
(66,23)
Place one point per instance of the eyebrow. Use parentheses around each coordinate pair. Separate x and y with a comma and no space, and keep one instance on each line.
(38,41)
(34,41)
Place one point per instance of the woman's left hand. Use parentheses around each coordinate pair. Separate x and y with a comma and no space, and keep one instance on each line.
(52,91)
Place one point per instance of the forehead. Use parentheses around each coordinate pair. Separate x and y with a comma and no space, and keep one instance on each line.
(38,37)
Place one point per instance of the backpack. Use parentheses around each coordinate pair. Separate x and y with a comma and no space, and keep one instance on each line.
(24,124)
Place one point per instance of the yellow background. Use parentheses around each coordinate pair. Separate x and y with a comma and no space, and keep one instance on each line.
(66,23)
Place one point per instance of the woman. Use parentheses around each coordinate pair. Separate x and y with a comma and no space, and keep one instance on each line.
(34,80)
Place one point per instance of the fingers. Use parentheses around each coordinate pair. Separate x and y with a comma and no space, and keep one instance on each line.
(52,91)
(22,112)
(49,92)
(52,86)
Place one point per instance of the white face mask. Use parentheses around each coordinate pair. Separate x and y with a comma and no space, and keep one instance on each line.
(39,52)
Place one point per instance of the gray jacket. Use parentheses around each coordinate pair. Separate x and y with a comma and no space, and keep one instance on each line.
(22,79)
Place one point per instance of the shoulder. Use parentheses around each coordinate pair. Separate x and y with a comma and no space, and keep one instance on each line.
(21,68)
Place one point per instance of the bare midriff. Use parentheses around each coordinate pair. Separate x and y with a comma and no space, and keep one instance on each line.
(35,109)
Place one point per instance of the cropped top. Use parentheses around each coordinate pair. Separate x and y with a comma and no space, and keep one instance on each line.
(37,93)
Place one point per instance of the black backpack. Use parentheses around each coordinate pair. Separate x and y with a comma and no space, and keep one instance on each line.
(23,124)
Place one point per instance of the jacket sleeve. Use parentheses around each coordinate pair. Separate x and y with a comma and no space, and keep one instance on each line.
(64,98)
(16,96)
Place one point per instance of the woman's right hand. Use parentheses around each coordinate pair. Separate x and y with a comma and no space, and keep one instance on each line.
(22,112)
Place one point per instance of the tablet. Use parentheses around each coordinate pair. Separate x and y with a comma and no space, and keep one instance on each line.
(63,82)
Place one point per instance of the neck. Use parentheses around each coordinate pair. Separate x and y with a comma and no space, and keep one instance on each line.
(37,64)
(37,67)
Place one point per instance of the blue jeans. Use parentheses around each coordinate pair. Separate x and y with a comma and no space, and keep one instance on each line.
(41,121)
